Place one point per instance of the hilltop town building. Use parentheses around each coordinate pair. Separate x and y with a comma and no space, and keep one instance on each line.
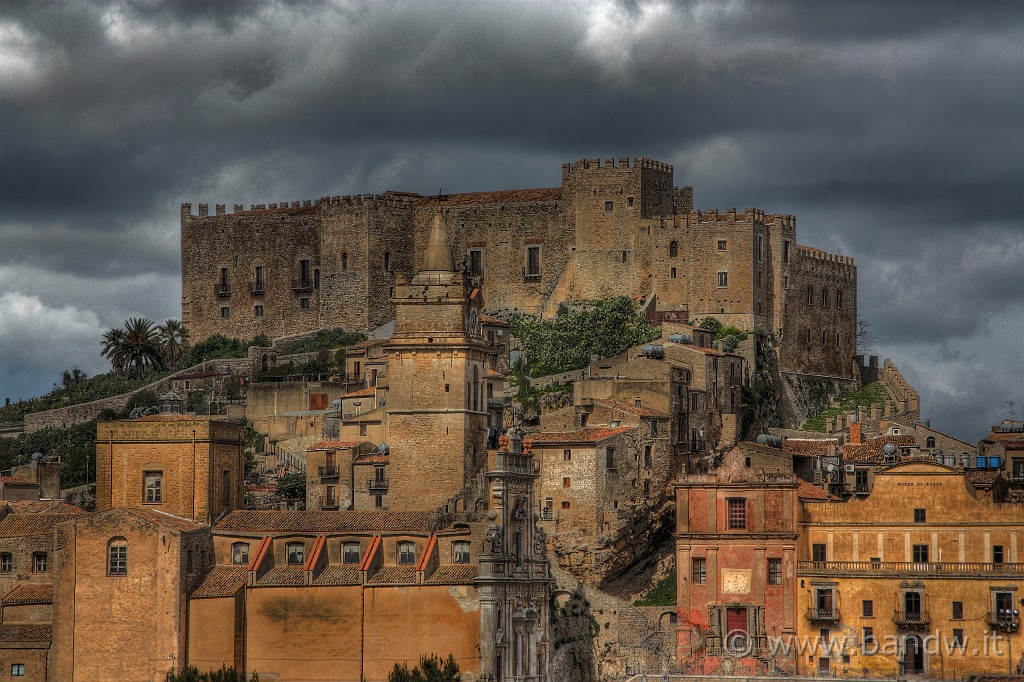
(614,227)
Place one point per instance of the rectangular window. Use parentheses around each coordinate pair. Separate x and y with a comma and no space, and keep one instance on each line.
(868,637)
(737,518)
(647,487)
(997,554)
(958,610)
(839,298)
(693,402)
(861,480)
(721,245)
(867,608)
(566,455)
(647,457)
(760,249)
(316,278)
(225,312)
(824,296)
(565,504)
(785,281)
(225,488)
(476,263)
(958,637)
(566,482)
(259,278)
(332,496)
(350,553)
(378,501)
(406,553)
(296,553)
(304,273)
(723,279)
(257,311)
(17,670)
(699,571)
(6,563)
(240,554)
(673,275)
(919,516)
(818,552)
(785,251)
(362,429)
(460,554)
(39,562)
(921,554)
(774,571)
(153,487)
(118,560)
(533,261)
(810,295)
(608,206)
(609,458)
(304,303)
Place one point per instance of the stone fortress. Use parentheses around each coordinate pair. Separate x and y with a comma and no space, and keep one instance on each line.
(614,227)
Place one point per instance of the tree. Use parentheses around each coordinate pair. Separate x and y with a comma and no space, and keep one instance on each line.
(191,674)
(430,669)
(173,338)
(140,347)
(292,486)
(112,340)
(864,336)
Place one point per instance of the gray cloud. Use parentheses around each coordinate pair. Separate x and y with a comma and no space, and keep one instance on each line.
(892,130)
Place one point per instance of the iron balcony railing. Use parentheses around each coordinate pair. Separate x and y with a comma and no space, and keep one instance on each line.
(910,568)
(256,288)
(327,471)
(302,285)
(910,620)
(820,615)
(222,289)
(376,484)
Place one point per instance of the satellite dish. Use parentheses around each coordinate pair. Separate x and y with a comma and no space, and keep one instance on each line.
(37,456)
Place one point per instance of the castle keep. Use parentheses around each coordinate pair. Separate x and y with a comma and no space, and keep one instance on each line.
(612,227)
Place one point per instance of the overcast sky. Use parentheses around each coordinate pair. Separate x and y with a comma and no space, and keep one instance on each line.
(892,130)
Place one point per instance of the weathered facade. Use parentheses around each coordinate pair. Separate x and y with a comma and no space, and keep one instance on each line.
(614,227)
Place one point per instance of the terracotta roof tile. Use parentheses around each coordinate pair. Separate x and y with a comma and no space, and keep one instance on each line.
(394,575)
(1016,438)
(222,581)
(25,632)
(809,491)
(494,374)
(285,576)
(362,393)
(822,447)
(246,521)
(591,435)
(631,409)
(160,518)
(44,507)
(16,480)
(981,477)
(511,196)
(454,574)
(333,445)
(492,321)
(173,417)
(32,593)
(372,458)
(338,575)
(1014,496)
(28,525)
(369,343)
(870,451)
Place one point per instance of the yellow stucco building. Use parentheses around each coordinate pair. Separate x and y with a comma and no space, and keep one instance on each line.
(920,577)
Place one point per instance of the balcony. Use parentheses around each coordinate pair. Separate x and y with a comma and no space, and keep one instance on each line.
(911,620)
(221,289)
(912,568)
(1005,620)
(377,484)
(325,471)
(816,615)
(862,489)
(256,288)
(302,285)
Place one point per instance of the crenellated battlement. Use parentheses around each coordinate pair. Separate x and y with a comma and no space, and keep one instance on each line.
(818,254)
(622,163)
(388,199)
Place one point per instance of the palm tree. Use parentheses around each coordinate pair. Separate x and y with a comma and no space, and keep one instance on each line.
(140,347)
(112,340)
(173,337)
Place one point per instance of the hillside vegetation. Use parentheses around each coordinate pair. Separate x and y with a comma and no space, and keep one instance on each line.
(872,394)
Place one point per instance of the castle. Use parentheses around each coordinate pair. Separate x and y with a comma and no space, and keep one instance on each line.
(612,227)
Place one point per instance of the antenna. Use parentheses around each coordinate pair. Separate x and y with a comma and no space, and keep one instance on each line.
(1011,404)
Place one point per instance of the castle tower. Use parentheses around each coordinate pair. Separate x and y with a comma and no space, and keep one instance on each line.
(437,411)
(514,572)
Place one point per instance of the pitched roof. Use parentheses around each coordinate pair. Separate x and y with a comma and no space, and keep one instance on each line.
(454,574)
(870,451)
(1013,437)
(222,581)
(25,632)
(16,480)
(494,374)
(631,409)
(809,491)
(369,343)
(44,507)
(811,446)
(492,321)
(981,477)
(27,525)
(31,593)
(509,196)
(285,576)
(159,518)
(367,392)
(591,435)
(372,458)
(333,445)
(338,575)
(394,575)
(246,521)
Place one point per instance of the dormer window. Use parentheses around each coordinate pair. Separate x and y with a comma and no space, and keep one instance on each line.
(240,554)
(406,554)
(296,553)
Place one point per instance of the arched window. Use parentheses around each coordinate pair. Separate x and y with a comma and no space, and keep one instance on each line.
(929,442)
(460,552)
(240,553)
(117,557)
(296,553)
(406,554)
(344,261)
(673,249)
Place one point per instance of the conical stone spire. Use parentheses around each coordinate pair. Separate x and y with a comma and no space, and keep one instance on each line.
(439,251)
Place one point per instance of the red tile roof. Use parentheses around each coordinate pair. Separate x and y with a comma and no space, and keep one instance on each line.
(333,445)
(173,417)
(591,435)
(29,525)
(494,374)
(372,458)
(1016,438)
(453,574)
(246,521)
(222,581)
(492,321)
(510,196)
(44,507)
(809,491)
(369,343)
(25,632)
(338,575)
(32,593)
(16,480)
(362,393)
(631,409)
(394,575)
(981,478)
(811,446)
(159,518)
(870,451)
(283,576)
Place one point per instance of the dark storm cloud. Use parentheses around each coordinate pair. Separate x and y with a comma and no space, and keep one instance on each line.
(892,130)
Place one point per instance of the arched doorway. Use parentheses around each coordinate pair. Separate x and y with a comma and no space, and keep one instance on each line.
(913,655)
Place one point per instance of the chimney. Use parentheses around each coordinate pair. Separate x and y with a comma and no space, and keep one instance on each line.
(855,432)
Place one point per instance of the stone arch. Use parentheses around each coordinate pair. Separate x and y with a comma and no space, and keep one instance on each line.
(673,249)
(668,620)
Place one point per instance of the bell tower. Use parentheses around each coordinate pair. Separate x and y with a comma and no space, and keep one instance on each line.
(436,406)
